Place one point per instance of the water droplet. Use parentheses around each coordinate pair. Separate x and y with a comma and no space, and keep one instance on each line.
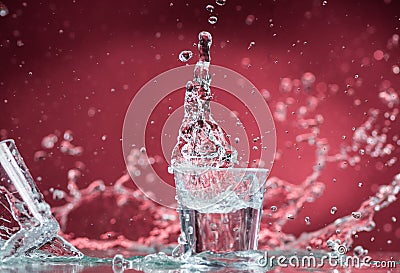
(362,151)
(250,19)
(360,184)
(394,219)
(396,69)
(210,8)
(290,216)
(73,174)
(307,79)
(49,141)
(58,195)
(220,2)
(3,10)
(237,140)
(185,55)
(359,251)
(274,208)
(333,210)
(213,20)
(104,137)
(356,214)
(324,3)
(118,262)
(68,135)
(182,239)
(378,55)
(307,220)
(39,155)
(252,43)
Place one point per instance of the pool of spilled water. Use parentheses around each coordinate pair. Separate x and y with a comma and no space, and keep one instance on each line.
(112,261)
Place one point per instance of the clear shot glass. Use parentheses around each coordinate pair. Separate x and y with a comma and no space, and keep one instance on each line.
(220,208)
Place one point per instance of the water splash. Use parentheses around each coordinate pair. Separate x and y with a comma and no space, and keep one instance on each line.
(370,138)
(201,141)
(284,200)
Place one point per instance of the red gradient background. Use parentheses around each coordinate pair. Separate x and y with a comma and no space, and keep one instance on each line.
(60,60)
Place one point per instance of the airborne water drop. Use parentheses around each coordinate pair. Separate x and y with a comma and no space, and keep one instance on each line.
(212,20)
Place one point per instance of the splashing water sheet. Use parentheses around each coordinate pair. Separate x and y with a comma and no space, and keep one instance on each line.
(333,92)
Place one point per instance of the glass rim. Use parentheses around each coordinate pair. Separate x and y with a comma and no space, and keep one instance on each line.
(196,168)
(7,141)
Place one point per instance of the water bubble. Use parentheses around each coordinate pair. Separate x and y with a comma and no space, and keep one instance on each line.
(307,220)
(210,8)
(213,20)
(220,2)
(356,214)
(394,219)
(290,216)
(324,3)
(185,55)
(333,210)
(237,140)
